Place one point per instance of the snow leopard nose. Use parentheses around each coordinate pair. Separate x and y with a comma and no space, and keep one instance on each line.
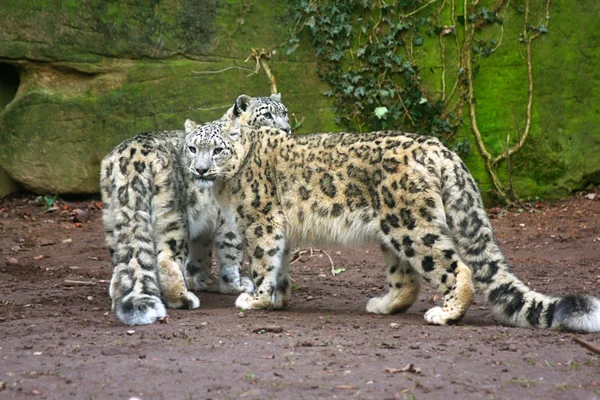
(201,171)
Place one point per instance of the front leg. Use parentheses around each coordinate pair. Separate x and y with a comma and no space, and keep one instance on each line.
(230,252)
(269,255)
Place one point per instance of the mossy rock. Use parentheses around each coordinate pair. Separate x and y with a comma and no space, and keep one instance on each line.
(92,73)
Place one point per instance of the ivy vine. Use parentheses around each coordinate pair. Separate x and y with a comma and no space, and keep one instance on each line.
(367,52)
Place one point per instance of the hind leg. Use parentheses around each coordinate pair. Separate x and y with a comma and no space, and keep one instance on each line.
(432,255)
(404,283)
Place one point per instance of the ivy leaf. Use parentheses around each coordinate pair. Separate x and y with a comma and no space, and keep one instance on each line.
(310,23)
(359,92)
(543,29)
(423,100)
(418,40)
(380,112)
(291,49)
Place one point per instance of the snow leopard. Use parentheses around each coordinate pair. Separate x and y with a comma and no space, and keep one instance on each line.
(407,193)
(160,229)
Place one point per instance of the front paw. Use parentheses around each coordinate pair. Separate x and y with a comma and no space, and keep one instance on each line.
(246,301)
(377,305)
(202,283)
(187,300)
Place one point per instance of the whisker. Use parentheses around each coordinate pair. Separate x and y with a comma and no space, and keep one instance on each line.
(193,170)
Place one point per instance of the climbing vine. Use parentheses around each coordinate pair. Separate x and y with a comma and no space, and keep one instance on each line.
(368,51)
(368,60)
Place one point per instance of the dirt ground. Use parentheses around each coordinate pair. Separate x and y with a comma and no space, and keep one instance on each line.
(59,340)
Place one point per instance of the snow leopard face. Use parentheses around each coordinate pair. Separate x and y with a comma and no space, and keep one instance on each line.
(205,151)
(260,111)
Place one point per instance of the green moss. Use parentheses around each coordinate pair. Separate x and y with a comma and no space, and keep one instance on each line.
(53,141)
(90,30)
(116,70)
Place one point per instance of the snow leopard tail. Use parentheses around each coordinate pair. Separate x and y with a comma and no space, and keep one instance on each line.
(512,300)
(127,220)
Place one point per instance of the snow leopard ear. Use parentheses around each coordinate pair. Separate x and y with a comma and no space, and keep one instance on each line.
(276,96)
(189,125)
(241,104)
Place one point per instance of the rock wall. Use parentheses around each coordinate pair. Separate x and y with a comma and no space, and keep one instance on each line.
(84,75)
(79,76)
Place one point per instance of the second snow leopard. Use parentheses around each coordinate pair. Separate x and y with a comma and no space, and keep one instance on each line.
(152,216)
(407,193)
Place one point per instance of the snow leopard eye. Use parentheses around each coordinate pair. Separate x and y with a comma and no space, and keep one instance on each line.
(268,116)
(192,149)
(218,150)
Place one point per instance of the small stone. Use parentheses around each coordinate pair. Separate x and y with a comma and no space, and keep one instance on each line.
(12,261)
(394,325)
(90,298)
(80,215)
(241,314)
(131,332)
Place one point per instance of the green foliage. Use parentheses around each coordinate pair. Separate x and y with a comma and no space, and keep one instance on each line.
(364,49)
(46,201)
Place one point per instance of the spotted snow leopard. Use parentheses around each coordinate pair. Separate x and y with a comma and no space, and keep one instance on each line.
(408,193)
(151,213)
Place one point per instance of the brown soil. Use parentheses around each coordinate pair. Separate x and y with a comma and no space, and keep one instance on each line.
(59,341)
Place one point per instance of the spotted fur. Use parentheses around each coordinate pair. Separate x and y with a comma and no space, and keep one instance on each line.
(409,194)
(154,210)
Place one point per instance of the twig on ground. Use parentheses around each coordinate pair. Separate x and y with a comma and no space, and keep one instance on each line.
(78,283)
(299,253)
(590,346)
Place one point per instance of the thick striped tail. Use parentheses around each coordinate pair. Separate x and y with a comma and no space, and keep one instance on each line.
(134,287)
(512,300)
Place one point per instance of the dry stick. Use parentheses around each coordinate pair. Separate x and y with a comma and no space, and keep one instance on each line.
(261,56)
(78,283)
(270,76)
(222,70)
(299,254)
(590,346)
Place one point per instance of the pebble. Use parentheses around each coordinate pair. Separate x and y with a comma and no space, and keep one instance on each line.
(12,261)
